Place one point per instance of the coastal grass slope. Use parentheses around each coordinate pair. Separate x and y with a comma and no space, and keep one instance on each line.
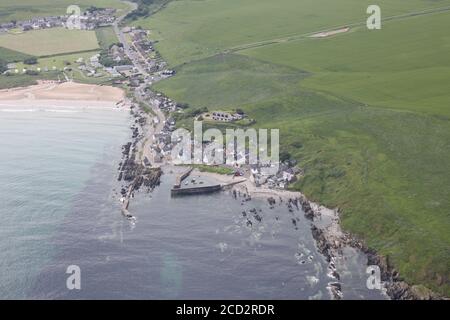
(8,55)
(365,113)
(405,65)
(189,29)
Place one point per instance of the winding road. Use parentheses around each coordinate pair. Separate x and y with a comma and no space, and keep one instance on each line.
(139,93)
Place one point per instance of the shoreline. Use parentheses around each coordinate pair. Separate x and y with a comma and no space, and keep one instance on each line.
(331,228)
(133,172)
(43,105)
(331,239)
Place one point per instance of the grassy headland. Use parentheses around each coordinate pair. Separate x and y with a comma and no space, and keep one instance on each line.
(365,113)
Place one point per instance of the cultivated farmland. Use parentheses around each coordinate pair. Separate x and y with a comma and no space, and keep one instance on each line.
(48,42)
(404,66)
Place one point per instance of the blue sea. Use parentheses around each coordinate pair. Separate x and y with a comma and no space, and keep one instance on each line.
(60,207)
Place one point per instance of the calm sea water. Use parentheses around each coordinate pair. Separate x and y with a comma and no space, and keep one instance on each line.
(60,207)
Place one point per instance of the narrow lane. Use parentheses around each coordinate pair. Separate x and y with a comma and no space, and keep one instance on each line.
(139,93)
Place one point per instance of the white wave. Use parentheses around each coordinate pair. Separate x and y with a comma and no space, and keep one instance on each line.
(40,110)
(60,111)
(312,281)
(18,110)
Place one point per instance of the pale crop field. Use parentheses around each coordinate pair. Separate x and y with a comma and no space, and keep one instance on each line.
(50,41)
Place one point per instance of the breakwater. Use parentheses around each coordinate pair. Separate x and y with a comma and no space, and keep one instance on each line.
(177,190)
(181,177)
(196,190)
(132,171)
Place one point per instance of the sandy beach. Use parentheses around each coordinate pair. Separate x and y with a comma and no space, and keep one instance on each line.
(67,94)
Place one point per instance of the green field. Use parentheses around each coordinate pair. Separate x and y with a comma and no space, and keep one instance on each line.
(190,29)
(12,56)
(106,37)
(408,71)
(26,9)
(59,62)
(24,80)
(366,113)
(213,169)
(48,42)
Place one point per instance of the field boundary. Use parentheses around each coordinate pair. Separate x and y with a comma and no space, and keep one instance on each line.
(296,37)
(69,53)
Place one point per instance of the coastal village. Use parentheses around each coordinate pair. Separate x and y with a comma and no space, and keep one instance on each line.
(92,18)
(134,64)
(156,118)
(155,69)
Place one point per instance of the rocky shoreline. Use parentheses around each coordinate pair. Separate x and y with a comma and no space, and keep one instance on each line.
(133,172)
(295,204)
(331,240)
